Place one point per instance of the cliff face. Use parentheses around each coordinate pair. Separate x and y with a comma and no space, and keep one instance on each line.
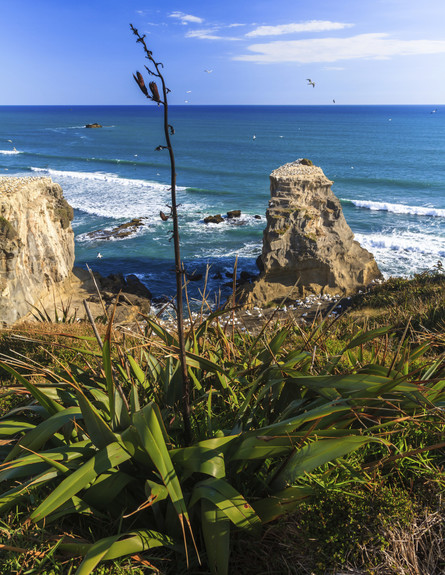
(36,243)
(307,241)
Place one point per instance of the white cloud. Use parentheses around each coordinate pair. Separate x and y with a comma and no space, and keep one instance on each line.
(186,18)
(310,26)
(364,46)
(208,34)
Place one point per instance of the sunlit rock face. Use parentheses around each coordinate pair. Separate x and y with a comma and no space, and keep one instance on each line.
(308,247)
(36,243)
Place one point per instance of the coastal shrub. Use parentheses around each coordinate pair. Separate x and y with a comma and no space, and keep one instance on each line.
(371,529)
(63,213)
(101,439)
(6,229)
(419,300)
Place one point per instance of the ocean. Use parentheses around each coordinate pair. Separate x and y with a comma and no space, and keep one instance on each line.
(387,164)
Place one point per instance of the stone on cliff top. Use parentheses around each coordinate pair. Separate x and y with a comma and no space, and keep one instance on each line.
(307,242)
(36,243)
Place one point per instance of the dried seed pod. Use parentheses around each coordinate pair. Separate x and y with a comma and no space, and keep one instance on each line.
(154,92)
(164,218)
(140,82)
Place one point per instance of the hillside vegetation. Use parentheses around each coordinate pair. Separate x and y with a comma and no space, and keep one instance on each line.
(316,448)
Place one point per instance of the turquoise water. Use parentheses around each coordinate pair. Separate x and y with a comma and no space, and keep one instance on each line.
(387,164)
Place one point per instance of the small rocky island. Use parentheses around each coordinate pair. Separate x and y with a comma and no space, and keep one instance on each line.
(94,125)
(308,248)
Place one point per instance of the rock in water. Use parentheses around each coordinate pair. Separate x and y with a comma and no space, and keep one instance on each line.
(307,241)
(36,243)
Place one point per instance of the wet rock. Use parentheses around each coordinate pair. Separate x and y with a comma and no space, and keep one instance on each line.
(257,217)
(119,232)
(246,277)
(217,219)
(234,214)
(193,277)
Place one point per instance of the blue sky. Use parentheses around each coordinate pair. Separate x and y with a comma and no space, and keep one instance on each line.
(259,52)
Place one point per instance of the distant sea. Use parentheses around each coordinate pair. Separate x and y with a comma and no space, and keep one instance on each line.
(387,164)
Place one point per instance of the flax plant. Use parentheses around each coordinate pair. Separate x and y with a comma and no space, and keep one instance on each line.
(154,69)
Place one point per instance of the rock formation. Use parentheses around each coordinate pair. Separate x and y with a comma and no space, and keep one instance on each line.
(307,242)
(36,243)
(119,232)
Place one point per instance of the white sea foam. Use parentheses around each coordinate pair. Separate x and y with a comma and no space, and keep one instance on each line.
(198,226)
(109,196)
(399,208)
(246,250)
(405,252)
(10,152)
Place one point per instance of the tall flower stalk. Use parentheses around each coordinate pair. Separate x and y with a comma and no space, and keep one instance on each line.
(152,93)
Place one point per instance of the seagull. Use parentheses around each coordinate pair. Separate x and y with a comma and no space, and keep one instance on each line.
(188,92)
(333,101)
(254,137)
(99,255)
(310,83)
(208,71)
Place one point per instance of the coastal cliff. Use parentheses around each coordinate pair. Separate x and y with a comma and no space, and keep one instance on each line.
(307,242)
(36,243)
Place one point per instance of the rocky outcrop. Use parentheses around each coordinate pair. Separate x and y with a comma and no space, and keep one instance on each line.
(217,219)
(94,125)
(307,242)
(36,243)
(119,232)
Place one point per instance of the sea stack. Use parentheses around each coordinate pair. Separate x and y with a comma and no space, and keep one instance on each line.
(36,243)
(308,248)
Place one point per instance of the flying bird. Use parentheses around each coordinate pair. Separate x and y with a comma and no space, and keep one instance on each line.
(310,83)
(99,255)
(208,71)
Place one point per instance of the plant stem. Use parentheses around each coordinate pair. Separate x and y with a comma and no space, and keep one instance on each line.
(176,241)
(179,277)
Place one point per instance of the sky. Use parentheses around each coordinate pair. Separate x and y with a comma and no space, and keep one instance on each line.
(82,52)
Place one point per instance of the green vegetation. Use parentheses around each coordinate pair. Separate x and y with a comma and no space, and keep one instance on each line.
(63,212)
(327,438)
(6,229)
